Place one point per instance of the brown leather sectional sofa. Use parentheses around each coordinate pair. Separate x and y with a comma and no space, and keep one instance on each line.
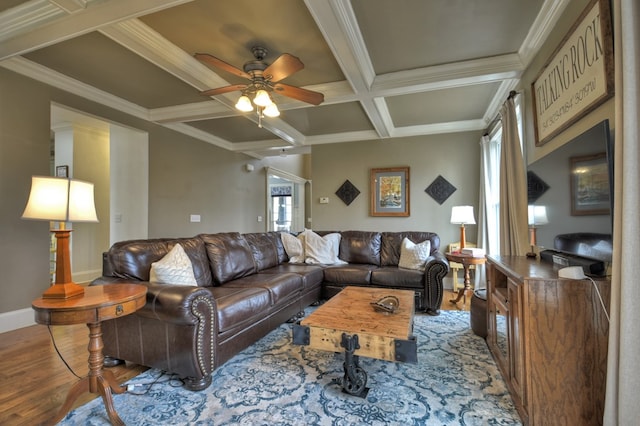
(246,288)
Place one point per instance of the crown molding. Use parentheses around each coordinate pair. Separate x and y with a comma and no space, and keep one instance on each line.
(27,16)
(439,128)
(62,82)
(477,71)
(544,23)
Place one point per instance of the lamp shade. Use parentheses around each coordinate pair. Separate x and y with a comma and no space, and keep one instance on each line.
(462,215)
(244,104)
(262,98)
(60,199)
(272,111)
(537,215)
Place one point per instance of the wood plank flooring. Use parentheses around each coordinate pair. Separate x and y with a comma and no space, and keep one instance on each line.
(34,381)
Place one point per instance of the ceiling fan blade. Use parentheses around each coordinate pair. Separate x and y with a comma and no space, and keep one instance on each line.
(304,95)
(219,63)
(282,67)
(225,89)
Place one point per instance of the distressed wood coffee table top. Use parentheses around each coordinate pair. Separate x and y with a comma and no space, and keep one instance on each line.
(350,312)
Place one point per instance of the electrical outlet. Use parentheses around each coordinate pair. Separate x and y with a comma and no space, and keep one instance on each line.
(324,200)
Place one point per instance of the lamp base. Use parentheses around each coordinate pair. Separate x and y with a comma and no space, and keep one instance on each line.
(532,255)
(63,291)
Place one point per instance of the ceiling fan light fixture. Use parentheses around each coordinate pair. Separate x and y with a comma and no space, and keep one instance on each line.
(272,110)
(244,104)
(262,98)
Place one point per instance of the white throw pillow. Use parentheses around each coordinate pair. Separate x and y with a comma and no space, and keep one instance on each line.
(294,246)
(414,256)
(174,268)
(322,250)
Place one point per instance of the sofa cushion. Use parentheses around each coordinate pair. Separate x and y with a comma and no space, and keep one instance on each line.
(230,256)
(174,268)
(394,277)
(414,256)
(321,250)
(237,306)
(281,287)
(132,259)
(360,247)
(267,249)
(348,274)
(392,241)
(312,275)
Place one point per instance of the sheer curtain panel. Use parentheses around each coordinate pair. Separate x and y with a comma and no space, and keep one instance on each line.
(623,378)
(514,232)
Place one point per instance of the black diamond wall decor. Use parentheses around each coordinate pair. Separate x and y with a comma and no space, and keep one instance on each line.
(440,189)
(347,192)
(535,187)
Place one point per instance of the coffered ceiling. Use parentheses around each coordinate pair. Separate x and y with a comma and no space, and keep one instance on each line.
(387,68)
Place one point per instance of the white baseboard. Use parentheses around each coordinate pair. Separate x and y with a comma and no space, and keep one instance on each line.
(16,319)
(85,277)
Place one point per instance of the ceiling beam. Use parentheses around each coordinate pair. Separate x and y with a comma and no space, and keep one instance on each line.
(338,24)
(37,35)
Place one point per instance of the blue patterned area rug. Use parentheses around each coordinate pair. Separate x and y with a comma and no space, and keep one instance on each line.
(273,382)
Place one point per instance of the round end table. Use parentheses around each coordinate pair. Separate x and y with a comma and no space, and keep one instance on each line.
(97,304)
(466,260)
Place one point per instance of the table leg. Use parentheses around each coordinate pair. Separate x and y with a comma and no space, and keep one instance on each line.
(462,293)
(97,381)
(354,381)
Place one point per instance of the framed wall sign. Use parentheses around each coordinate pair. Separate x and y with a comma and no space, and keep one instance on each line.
(390,192)
(590,185)
(62,171)
(578,77)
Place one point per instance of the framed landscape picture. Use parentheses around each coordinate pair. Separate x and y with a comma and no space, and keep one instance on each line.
(390,191)
(590,185)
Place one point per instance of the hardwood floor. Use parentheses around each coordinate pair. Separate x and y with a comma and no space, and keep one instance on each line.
(34,381)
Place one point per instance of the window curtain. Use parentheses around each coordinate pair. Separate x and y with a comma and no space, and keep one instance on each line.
(514,233)
(623,379)
(489,202)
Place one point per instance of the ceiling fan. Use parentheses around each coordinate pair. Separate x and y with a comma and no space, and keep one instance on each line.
(264,79)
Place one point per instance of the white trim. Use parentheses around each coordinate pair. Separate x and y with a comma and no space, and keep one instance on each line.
(82,277)
(14,320)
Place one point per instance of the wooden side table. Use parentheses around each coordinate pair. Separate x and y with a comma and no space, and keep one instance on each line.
(97,304)
(466,260)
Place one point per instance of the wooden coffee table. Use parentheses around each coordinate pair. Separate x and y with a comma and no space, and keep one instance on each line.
(97,304)
(348,322)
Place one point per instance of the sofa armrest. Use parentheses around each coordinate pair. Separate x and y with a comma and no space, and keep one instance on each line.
(176,304)
(436,268)
(179,304)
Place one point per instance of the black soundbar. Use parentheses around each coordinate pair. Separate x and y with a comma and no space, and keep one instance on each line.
(590,266)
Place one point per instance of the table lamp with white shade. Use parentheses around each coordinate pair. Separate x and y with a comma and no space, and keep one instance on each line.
(462,215)
(537,216)
(63,200)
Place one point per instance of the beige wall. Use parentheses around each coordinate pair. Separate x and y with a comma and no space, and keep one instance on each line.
(186,176)
(550,156)
(24,151)
(455,156)
(570,15)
